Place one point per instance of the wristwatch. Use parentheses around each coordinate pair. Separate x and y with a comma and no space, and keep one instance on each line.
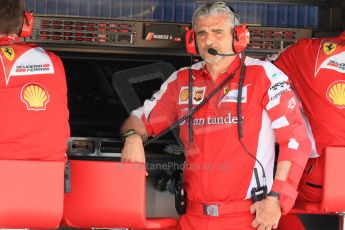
(128,133)
(273,194)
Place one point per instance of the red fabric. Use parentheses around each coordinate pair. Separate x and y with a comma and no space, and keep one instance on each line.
(302,62)
(160,223)
(235,221)
(109,195)
(314,70)
(287,194)
(290,221)
(33,103)
(215,157)
(217,167)
(223,208)
(313,174)
(31,194)
(333,199)
(105,195)
(318,76)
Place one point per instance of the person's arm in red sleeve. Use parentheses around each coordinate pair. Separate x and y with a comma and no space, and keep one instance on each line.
(286,60)
(283,108)
(157,114)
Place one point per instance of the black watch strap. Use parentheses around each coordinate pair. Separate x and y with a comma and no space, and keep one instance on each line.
(273,194)
(128,133)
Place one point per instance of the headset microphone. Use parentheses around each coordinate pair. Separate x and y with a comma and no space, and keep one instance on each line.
(215,52)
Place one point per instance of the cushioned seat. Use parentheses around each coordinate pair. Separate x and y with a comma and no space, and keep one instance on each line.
(333,196)
(160,223)
(109,195)
(31,194)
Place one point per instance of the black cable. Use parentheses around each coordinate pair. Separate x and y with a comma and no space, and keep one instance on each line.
(239,112)
(190,113)
(239,98)
(190,101)
(252,156)
(257,177)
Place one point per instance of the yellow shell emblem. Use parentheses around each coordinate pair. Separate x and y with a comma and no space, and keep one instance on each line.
(8,53)
(329,47)
(35,97)
(184,95)
(336,94)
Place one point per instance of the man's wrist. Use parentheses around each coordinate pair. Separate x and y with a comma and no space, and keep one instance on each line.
(273,194)
(133,139)
(128,133)
(287,194)
(273,198)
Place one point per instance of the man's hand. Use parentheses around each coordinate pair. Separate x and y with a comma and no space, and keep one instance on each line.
(268,213)
(133,150)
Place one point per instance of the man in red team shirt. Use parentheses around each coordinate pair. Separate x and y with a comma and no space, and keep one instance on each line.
(33,94)
(220,169)
(316,68)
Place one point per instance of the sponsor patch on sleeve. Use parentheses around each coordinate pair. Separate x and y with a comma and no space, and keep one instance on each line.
(34,61)
(277,89)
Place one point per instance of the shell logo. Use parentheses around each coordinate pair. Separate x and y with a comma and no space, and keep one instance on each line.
(35,97)
(336,94)
(184,95)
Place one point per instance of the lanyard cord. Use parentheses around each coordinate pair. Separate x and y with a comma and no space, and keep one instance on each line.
(190,113)
(190,103)
(239,124)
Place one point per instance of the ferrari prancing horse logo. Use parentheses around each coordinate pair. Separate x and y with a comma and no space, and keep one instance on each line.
(329,47)
(8,53)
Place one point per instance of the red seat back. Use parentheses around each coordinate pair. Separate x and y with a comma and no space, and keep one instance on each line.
(31,194)
(105,195)
(334,183)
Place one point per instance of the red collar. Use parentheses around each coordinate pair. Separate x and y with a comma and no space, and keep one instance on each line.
(10,39)
(231,68)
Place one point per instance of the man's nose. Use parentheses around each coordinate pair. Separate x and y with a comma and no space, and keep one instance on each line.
(209,40)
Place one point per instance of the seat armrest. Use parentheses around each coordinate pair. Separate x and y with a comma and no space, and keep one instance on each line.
(105,195)
(333,199)
(160,223)
(31,194)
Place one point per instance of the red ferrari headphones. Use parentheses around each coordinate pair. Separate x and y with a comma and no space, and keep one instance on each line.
(28,23)
(239,42)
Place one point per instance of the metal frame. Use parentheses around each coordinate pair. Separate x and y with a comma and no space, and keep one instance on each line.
(302,2)
(123,81)
(341,221)
(332,17)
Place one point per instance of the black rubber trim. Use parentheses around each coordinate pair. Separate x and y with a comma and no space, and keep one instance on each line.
(314,185)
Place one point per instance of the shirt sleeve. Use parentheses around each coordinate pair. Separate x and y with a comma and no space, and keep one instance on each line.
(282,106)
(160,111)
(287,59)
